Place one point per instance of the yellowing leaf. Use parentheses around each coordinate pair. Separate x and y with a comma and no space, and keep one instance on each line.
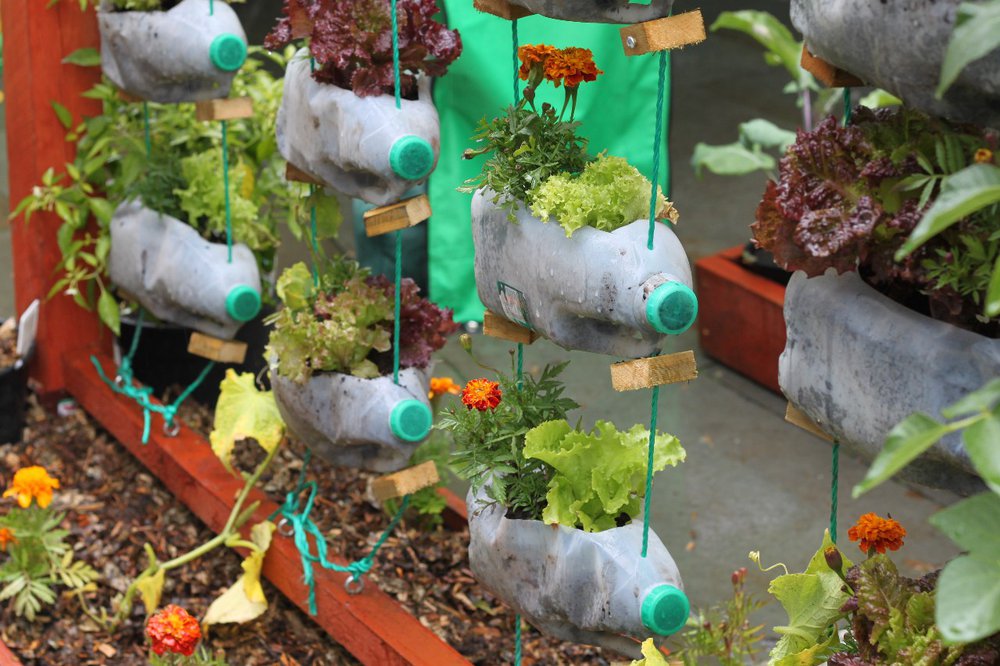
(651,655)
(233,605)
(243,412)
(260,534)
(151,590)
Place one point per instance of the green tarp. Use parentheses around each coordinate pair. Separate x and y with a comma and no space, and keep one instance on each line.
(618,113)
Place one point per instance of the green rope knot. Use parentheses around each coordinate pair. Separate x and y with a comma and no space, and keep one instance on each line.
(297,524)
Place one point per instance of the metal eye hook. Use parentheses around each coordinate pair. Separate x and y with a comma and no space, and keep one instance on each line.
(285,528)
(119,381)
(171,429)
(354,585)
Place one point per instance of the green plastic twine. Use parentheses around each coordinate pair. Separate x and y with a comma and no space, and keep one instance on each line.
(834,473)
(303,526)
(225,186)
(395,53)
(847,107)
(517,640)
(513,39)
(145,129)
(125,385)
(397,306)
(211,7)
(654,404)
(657,138)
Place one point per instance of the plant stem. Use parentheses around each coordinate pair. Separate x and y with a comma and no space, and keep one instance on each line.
(807,115)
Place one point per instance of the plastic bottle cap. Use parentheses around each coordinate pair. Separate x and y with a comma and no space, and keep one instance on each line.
(411,157)
(672,308)
(228,52)
(665,610)
(243,302)
(410,420)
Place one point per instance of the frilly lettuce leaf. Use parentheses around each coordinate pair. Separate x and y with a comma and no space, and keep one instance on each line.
(598,475)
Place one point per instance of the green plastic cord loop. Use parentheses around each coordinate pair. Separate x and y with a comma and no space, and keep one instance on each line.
(227,52)
(672,308)
(411,157)
(243,302)
(410,420)
(665,610)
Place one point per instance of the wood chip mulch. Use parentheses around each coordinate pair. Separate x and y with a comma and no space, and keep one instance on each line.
(114,506)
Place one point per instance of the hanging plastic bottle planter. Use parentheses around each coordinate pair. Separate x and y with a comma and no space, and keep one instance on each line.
(596,291)
(363,147)
(593,11)
(187,53)
(592,588)
(371,424)
(179,276)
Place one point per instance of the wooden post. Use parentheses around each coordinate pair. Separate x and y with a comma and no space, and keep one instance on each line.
(36,39)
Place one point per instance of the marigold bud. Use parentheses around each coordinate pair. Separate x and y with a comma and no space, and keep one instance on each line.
(834,560)
(466,340)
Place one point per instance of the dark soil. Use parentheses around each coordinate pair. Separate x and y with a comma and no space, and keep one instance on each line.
(114,506)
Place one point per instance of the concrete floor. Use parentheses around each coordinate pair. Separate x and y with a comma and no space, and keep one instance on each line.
(751,481)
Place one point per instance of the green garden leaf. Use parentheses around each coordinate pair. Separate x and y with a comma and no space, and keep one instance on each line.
(733,159)
(963,193)
(651,655)
(973,524)
(151,589)
(63,114)
(968,597)
(86,57)
(107,310)
(295,287)
(770,33)
(243,412)
(907,440)
(765,133)
(982,441)
(981,400)
(992,308)
(976,33)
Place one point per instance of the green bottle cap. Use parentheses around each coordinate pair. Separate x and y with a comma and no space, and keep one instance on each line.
(228,52)
(243,302)
(411,157)
(410,420)
(672,308)
(665,610)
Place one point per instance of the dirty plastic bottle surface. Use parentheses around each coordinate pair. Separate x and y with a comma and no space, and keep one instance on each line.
(370,424)
(596,291)
(179,276)
(593,588)
(599,11)
(184,54)
(363,147)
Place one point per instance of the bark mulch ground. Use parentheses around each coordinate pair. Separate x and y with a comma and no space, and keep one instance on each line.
(114,505)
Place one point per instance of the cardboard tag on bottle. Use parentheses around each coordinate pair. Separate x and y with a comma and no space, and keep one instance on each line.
(515,306)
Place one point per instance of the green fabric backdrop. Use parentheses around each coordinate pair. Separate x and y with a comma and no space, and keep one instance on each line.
(617,111)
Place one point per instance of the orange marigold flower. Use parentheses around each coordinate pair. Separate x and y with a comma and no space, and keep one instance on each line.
(877,533)
(481,394)
(530,54)
(983,156)
(172,629)
(442,385)
(6,537)
(572,67)
(32,483)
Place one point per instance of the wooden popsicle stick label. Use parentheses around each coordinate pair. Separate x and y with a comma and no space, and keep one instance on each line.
(496,326)
(223,109)
(797,417)
(665,34)
(654,371)
(502,9)
(400,215)
(214,349)
(405,482)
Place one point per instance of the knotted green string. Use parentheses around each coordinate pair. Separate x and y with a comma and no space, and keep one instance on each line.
(303,526)
(834,473)
(513,39)
(662,93)
(125,385)
(395,54)
(847,107)
(520,346)
(145,129)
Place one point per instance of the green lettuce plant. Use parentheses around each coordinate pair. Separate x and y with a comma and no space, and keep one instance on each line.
(598,477)
(608,194)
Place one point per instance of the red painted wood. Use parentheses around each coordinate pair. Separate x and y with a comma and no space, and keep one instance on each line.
(8,658)
(371,625)
(741,321)
(455,516)
(36,40)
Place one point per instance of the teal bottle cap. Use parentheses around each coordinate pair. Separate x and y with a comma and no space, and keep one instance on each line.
(411,157)
(665,610)
(228,52)
(243,302)
(410,420)
(672,308)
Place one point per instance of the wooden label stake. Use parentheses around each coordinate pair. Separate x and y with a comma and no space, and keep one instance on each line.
(128,97)
(829,75)
(400,215)
(665,34)
(496,326)
(214,349)
(297,175)
(405,482)
(501,8)
(654,371)
(797,417)
(223,109)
